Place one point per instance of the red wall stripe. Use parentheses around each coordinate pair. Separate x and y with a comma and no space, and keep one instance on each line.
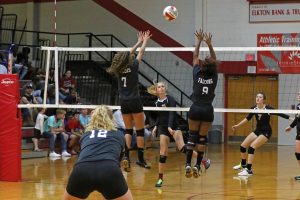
(138,23)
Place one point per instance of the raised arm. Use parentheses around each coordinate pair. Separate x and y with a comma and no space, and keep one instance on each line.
(138,43)
(199,36)
(146,36)
(207,39)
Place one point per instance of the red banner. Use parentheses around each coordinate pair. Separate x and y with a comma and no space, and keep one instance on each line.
(286,62)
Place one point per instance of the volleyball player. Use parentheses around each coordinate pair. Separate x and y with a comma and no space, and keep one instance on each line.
(258,137)
(125,67)
(201,113)
(296,122)
(98,165)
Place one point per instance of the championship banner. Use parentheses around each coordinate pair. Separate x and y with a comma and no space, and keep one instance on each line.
(286,62)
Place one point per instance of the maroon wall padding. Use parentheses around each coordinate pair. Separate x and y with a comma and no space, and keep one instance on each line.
(10,128)
(138,23)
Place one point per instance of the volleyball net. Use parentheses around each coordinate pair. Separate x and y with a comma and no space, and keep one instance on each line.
(243,72)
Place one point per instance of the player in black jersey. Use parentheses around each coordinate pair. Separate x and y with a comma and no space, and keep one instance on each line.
(258,137)
(201,113)
(125,67)
(296,122)
(167,128)
(98,164)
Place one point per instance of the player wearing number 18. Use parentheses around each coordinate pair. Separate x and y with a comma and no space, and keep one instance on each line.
(125,67)
(201,113)
(98,164)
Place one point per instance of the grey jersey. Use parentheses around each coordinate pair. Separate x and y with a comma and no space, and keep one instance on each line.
(204,85)
(128,82)
(97,145)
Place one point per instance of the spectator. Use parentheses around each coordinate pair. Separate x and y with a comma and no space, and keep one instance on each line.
(74,129)
(53,127)
(28,98)
(72,98)
(84,118)
(3,69)
(51,79)
(66,84)
(38,128)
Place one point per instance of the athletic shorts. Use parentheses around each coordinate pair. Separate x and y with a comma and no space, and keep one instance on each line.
(131,106)
(36,133)
(298,135)
(103,176)
(266,133)
(201,112)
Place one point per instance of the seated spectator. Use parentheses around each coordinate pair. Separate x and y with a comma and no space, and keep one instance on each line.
(38,128)
(74,129)
(22,62)
(118,121)
(28,98)
(53,127)
(51,79)
(84,118)
(72,98)
(66,84)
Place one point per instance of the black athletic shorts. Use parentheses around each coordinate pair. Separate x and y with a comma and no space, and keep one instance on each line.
(36,133)
(163,130)
(131,106)
(266,133)
(202,112)
(298,135)
(103,176)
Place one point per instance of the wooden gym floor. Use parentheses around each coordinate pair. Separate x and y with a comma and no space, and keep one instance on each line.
(274,170)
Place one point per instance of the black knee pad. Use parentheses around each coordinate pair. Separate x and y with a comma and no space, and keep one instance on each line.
(251,150)
(129,131)
(162,159)
(243,149)
(183,149)
(140,133)
(202,140)
(297,155)
(193,139)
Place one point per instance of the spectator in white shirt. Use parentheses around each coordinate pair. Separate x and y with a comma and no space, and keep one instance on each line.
(38,128)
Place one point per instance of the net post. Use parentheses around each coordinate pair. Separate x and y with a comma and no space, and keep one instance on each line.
(56,76)
(47,77)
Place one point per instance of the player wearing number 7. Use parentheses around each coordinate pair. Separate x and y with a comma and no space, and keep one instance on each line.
(125,67)
(201,113)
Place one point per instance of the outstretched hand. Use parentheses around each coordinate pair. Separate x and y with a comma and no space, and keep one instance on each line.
(199,35)
(147,35)
(207,38)
(140,36)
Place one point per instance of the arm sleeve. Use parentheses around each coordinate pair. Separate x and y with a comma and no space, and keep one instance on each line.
(172,103)
(294,123)
(249,116)
(279,114)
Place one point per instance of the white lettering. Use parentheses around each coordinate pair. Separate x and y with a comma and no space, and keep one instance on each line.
(205,81)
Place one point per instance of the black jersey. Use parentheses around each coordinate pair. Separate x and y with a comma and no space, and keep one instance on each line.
(128,82)
(98,145)
(204,85)
(166,118)
(263,119)
(296,121)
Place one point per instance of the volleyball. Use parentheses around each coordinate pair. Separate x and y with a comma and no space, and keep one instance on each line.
(170,13)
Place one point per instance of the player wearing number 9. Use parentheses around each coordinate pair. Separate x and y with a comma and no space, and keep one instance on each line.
(201,113)
(98,164)
(125,67)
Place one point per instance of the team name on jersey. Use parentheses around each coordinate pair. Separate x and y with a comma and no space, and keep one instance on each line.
(127,70)
(205,81)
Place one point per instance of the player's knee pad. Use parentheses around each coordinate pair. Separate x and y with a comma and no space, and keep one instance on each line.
(193,139)
(162,159)
(140,133)
(251,150)
(129,131)
(202,140)
(243,149)
(183,149)
(297,155)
